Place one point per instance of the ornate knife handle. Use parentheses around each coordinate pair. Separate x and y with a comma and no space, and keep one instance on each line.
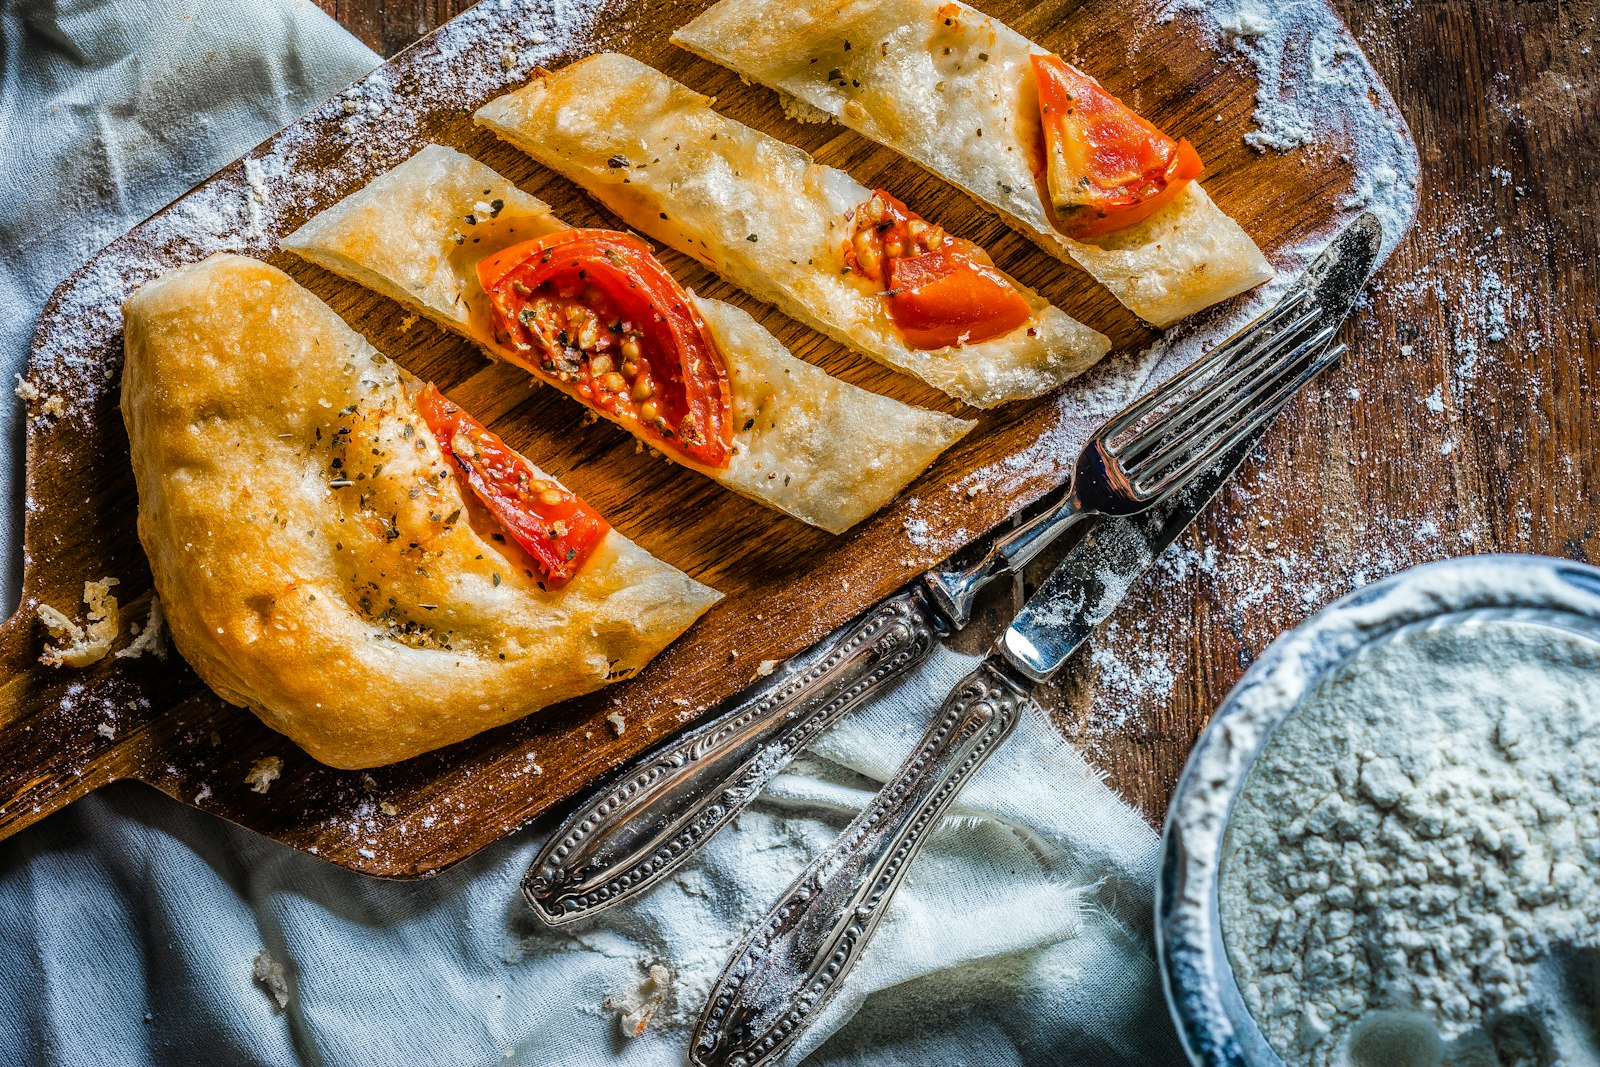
(645,825)
(798,955)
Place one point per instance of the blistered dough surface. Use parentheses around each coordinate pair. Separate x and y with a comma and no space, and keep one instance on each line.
(315,556)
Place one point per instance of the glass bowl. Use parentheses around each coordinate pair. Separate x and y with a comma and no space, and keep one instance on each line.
(1216,1027)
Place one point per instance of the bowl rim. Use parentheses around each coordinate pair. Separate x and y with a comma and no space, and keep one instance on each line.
(1213,1023)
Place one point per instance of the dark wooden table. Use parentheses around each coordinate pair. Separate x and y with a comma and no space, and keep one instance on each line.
(1465,419)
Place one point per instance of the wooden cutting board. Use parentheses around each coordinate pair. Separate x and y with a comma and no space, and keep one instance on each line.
(65,732)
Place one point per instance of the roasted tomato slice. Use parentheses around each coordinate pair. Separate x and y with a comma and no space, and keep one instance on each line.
(594,312)
(551,524)
(1105,167)
(942,290)
(946,298)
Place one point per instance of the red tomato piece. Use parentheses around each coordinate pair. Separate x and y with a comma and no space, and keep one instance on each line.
(1105,167)
(942,290)
(594,312)
(557,529)
(947,297)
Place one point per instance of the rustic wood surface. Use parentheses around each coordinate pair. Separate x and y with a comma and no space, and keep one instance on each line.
(1503,100)
(1363,477)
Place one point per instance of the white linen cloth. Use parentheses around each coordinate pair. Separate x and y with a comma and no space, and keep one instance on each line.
(129,923)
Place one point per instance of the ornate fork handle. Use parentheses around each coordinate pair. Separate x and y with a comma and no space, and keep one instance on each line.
(797,957)
(649,822)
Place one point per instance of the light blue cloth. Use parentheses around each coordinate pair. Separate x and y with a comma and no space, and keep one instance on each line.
(129,924)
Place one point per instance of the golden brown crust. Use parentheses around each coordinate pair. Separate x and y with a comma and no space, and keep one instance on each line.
(761,213)
(806,443)
(316,558)
(921,76)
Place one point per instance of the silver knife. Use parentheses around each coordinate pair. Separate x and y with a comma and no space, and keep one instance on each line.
(648,820)
(795,959)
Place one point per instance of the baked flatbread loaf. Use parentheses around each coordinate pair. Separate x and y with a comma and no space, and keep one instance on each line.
(762,214)
(923,77)
(804,442)
(315,553)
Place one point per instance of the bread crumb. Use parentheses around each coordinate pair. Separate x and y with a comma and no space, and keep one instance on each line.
(107,730)
(388,808)
(82,645)
(618,723)
(766,667)
(151,637)
(203,794)
(263,772)
(54,406)
(408,322)
(271,977)
(634,1010)
(800,110)
(26,390)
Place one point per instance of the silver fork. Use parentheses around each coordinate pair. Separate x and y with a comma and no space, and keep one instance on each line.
(1140,454)
(795,959)
(650,819)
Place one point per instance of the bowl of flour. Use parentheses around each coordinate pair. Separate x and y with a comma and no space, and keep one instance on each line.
(1385,849)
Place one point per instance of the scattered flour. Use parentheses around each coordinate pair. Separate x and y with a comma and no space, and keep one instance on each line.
(1410,872)
(1312,82)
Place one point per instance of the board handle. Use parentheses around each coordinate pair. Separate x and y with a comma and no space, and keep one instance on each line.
(53,749)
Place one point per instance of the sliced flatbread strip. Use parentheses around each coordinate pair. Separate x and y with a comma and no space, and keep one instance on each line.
(806,443)
(314,551)
(923,77)
(762,214)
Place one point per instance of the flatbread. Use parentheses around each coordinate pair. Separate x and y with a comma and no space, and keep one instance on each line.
(368,621)
(806,443)
(762,214)
(923,77)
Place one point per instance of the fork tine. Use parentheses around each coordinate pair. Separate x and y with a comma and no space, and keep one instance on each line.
(1226,409)
(1200,406)
(1197,374)
(1258,413)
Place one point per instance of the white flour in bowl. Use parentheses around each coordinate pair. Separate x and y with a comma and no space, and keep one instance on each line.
(1411,874)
